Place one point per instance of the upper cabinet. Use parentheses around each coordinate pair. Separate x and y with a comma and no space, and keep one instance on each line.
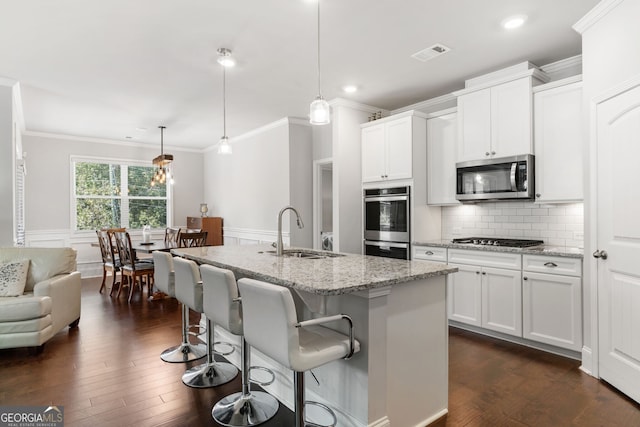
(441,158)
(558,131)
(388,145)
(494,114)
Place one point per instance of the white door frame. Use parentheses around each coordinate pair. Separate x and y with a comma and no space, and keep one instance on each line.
(318,167)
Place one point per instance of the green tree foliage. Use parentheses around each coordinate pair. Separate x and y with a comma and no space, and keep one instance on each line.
(99,199)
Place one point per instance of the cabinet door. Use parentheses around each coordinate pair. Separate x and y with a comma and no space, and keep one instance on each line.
(373,153)
(474,125)
(464,295)
(511,113)
(399,140)
(552,309)
(559,143)
(502,300)
(441,160)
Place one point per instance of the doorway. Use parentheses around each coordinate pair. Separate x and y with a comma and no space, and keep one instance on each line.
(323,204)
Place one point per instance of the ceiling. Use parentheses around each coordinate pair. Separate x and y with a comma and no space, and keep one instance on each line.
(105,69)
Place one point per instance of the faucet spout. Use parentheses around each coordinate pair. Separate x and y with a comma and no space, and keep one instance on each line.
(279,245)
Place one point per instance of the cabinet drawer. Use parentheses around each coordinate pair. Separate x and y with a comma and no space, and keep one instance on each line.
(430,253)
(486,259)
(552,265)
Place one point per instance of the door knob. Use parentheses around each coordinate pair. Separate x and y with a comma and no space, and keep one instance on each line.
(600,254)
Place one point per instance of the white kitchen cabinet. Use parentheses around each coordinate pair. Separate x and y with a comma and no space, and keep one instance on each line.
(558,130)
(430,253)
(441,158)
(495,121)
(482,295)
(552,301)
(388,145)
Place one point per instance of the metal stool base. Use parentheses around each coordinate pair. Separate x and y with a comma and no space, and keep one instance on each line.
(328,410)
(209,375)
(184,353)
(239,410)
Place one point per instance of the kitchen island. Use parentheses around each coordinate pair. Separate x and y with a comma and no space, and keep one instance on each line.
(398,309)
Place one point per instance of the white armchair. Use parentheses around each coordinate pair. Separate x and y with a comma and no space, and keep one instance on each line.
(50,301)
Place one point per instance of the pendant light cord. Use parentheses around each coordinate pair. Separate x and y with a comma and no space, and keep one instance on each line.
(224,101)
(161,140)
(319,86)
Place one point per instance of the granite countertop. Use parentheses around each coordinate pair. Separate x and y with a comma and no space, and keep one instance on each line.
(561,251)
(325,276)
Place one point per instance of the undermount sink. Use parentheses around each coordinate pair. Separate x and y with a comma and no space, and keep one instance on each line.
(306,254)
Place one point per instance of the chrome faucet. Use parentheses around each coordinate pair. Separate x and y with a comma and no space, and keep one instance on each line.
(279,245)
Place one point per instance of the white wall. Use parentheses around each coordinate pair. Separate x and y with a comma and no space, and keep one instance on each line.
(48,181)
(6,166)
(248,188)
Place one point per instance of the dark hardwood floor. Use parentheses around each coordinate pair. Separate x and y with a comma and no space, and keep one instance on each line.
(108,373)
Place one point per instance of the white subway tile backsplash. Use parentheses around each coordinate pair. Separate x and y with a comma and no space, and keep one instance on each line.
(558,225)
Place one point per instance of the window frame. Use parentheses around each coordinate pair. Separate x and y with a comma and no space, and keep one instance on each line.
(124,211)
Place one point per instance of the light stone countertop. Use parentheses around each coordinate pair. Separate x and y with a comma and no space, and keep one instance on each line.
(561,251)
(327,276)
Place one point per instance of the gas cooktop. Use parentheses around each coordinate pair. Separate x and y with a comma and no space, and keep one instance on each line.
(496,241)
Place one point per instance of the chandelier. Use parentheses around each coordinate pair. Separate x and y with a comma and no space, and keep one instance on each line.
(162,163)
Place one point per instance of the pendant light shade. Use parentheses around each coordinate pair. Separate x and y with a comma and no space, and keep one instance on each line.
(319,111)
(162,163)
(224,59)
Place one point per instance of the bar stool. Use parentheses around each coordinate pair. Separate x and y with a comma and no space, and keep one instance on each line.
(164,278)
(271,325)
(222,304)
(189,292)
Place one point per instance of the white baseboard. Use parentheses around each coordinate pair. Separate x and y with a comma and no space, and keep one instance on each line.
(587,361)
(382,422)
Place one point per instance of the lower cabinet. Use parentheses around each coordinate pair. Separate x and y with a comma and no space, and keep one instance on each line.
(482,295)
(552,303)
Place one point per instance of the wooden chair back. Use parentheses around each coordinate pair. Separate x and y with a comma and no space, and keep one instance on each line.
(125,249)
(192,240)
(171,236)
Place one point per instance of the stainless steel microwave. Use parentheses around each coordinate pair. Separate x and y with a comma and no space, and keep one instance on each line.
(495,179)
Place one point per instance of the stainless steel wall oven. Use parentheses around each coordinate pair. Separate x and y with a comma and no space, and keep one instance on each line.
(387,222)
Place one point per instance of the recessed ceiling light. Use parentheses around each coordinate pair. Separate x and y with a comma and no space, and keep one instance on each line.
(350,88)
(514,21)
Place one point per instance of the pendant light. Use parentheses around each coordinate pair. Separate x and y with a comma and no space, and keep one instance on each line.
(162,163)
(224,59)
(319,111)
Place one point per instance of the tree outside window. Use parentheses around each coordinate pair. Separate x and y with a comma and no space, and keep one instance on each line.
(108,194)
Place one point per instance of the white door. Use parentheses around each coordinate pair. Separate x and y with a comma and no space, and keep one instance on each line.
(399,148)
(502,300)
(618,205)
(464,295)
(373,153)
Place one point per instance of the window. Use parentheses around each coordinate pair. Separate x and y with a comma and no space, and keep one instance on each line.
(117,194)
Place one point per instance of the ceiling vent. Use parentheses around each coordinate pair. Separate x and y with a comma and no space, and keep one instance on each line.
(431,52)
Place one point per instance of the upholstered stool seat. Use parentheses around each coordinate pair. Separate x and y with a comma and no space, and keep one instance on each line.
(223,305)
(271,325)
(188,287)
(164,279)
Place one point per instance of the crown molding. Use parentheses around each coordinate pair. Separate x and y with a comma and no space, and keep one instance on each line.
(562,65)
(107,141)
(426,104)
(558,83)
(5,81)
(341,102)
(19,109)
(595,15)
(410,113)
(534,73)
(442,112)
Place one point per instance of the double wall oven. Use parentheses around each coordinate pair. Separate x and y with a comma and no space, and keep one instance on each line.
(387,222)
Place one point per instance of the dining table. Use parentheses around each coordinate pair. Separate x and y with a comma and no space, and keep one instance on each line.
(147,248)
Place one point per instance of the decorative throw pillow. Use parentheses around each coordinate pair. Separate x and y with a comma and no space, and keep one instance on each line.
(13,278)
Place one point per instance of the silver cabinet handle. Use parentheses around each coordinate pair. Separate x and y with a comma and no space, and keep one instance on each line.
(428,253)
(525,278)
(486,154)
(550,264)
(477,272)
(484,273)
(600,254)
(538,195)
(493,153)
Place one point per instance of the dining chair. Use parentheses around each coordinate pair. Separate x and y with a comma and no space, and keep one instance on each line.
(131,267)
(171,236)
(192,240)
(110,262)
